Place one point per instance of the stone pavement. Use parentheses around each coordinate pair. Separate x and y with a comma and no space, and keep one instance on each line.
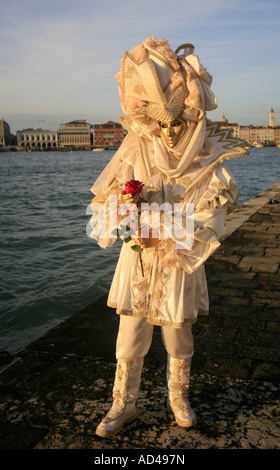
(54,393)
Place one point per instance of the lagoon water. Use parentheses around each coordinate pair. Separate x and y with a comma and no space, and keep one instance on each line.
(50,269)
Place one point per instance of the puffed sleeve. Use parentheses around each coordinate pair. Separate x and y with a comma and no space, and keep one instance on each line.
(217,198)
(104,216)
(104,207)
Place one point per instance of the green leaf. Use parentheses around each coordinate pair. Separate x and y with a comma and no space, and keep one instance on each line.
(137,248)
(127,239)
(141,199)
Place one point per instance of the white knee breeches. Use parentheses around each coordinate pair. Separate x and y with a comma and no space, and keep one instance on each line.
(135,338)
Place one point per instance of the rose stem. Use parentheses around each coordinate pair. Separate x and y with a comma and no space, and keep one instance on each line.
(141,264)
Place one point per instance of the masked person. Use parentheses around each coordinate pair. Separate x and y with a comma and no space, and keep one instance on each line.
(177,155)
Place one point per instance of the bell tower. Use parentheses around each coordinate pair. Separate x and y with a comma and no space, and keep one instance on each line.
(272,118)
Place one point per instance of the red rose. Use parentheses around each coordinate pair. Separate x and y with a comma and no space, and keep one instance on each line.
(133,187)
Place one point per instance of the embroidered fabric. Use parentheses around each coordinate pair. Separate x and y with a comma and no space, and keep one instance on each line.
(179,376)
(126,384)
(178,380)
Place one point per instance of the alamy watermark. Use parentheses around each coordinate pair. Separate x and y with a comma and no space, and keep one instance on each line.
(112,220)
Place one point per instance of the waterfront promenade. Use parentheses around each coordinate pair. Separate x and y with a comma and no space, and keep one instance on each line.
(54,393)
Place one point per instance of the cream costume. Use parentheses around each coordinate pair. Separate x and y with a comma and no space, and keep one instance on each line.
(159,86)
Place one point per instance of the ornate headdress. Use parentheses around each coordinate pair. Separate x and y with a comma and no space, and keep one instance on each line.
(156,83)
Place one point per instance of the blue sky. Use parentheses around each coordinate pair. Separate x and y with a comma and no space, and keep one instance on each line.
(58,58)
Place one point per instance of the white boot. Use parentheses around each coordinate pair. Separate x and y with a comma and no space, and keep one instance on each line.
(178,380)
(125,393)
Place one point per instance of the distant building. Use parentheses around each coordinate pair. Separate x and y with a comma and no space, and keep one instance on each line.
(244,133)
(272,118)
(6,138)
(234,126)
(75,134)
(277,135)
(255,135)
(37,139)
(110,134)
